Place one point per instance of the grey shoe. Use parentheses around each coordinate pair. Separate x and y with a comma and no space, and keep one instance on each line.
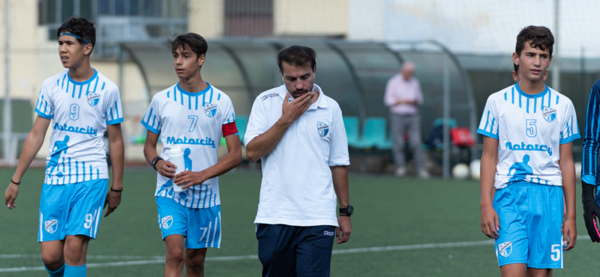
(423,174)
(400,172)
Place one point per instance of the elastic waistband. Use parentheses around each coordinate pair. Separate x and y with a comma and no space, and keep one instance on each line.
(528,184)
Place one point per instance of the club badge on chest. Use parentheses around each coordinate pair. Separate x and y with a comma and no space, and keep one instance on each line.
(210,109)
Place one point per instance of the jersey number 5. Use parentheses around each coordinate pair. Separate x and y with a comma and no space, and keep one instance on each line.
(555,256)
(530,128)
(194,119)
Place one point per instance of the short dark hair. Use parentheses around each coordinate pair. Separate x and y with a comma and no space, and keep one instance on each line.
(297,55)
(81,27)
(537,37)
(516,67)
(193,41)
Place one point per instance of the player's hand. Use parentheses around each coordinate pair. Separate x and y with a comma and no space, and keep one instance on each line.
(569,232)
(342,233)
(294,109)
(166,168)
(113,199)
(188,178)
(590,210)
(10,195)
(490,223)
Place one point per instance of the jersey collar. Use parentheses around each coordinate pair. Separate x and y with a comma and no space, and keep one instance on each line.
(541,94)
(320,103)
(84,82)
(207,89)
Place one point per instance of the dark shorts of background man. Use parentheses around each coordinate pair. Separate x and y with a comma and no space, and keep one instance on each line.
(291,251)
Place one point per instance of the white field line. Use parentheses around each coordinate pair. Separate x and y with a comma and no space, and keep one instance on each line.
(99,257)
(160,260)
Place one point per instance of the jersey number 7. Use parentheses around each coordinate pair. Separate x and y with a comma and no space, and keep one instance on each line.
(194,119)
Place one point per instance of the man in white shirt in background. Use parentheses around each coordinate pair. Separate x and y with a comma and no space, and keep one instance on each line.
(298,133)
(403,96)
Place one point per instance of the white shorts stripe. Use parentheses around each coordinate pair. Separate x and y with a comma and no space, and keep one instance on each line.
(562,253)
(97,219)
(215,232)
(208,233)
(41,227)
(219,243)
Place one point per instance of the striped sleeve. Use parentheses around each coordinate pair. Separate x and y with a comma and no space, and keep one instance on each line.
(151,119)
(44,106)
(228,111)
(489,120)
(590,137)
(114,109)
(569,128)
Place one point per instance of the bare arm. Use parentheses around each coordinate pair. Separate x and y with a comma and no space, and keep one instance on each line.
(165,168)
(340,184)
(490,223)
(117,154)
(263,144)
(231,160)
(117,157)
(408,102)
(567,169)
(32,145)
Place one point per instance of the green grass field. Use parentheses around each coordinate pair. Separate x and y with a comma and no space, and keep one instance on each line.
(422,215)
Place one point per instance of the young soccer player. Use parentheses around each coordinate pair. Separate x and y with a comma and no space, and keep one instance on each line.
(527,170)
(82,104)
(191,115)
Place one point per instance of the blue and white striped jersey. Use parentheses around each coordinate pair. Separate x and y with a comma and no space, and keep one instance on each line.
(193,122)
(80,112)
(529,129)
(591,137)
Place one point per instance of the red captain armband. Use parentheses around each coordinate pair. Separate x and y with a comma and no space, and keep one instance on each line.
(229,129)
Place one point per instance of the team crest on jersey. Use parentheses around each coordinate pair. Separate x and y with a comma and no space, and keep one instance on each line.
(322,128)
(549,114)
(505,249)
(166,222)
(93,98)
(51,225)
(210,109)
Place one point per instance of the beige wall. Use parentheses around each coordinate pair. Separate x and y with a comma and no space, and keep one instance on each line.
(291,17)
(310,17)
(206,17)
(23,48)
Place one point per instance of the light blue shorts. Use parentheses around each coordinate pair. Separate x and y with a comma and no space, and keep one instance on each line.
(531,217)
(71,209)
(200,227)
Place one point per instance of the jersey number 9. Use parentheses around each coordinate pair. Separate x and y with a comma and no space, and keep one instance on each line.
(74,112)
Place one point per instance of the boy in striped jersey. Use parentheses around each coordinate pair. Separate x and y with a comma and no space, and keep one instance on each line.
(527,170)
(81,104)
(589,174)
(191,115)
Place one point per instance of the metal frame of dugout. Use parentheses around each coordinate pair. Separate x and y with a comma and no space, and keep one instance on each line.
(353,73)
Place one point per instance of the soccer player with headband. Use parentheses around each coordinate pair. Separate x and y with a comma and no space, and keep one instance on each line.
(82,104)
